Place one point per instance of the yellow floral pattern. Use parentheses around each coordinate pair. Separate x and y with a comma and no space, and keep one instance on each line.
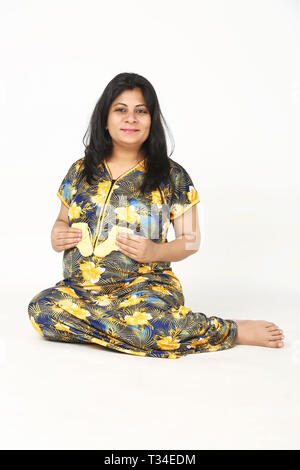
(106,297)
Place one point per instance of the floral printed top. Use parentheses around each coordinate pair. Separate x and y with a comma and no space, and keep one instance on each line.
(111,206)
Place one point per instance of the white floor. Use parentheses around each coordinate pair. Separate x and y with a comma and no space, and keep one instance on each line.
(73,396)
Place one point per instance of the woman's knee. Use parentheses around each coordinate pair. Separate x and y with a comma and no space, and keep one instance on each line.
(39,308)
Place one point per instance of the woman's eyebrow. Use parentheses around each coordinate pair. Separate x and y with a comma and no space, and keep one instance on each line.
(126,104)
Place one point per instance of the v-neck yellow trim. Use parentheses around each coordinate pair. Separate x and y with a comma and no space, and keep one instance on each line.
(140,165)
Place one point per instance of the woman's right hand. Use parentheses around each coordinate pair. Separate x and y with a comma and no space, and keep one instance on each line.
(64,237)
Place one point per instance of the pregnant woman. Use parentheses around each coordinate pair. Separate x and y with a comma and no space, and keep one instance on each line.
(117,203)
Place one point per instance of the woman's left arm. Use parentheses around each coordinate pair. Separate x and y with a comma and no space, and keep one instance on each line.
(188,237)
(144,250)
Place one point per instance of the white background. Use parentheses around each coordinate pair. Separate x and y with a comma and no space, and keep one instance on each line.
(227,76)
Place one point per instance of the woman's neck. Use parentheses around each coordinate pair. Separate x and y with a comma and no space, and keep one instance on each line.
(125,158)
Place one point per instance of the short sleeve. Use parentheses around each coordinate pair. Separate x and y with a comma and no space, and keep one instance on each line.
(67,188)
(184,194)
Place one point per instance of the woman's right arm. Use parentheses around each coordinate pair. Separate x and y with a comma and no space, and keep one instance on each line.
(63,236)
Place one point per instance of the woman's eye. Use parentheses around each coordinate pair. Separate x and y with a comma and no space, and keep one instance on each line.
(123,109)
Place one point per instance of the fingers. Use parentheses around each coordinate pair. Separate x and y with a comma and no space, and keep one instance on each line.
(69,245)
(66,239)
(127,250)
(131,237)
(126,243)
(72,231)
(70,234)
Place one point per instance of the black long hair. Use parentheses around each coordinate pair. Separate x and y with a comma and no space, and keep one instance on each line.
(99,143)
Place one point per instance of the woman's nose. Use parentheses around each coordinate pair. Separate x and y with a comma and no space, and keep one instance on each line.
(131,117)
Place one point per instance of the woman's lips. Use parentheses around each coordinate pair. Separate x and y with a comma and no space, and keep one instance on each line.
(129,130)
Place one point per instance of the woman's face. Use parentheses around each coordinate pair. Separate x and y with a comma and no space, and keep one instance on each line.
(129,111)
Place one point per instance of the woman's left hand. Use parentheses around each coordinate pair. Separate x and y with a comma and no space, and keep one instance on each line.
(139,248)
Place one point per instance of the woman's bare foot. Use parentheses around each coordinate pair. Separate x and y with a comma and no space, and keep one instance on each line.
(259,333)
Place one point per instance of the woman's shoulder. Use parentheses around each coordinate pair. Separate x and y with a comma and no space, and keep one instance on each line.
(79,164)
(180,177)
(173,163)
(74,170)
(76,164)
(176,168)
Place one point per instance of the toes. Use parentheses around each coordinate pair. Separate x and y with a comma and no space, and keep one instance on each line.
(275,344)
(276,333)
(271,325)
(276,338)
(274,329)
